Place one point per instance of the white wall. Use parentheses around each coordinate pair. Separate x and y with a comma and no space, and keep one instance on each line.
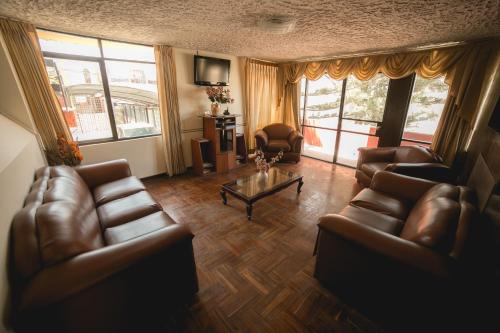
(146,155)
(20,156)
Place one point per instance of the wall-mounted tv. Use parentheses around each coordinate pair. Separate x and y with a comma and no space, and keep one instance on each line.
(495,118)
(211,71)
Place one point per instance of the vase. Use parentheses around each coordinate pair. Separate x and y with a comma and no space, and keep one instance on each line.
(215,108)
(262,176)
(226,111)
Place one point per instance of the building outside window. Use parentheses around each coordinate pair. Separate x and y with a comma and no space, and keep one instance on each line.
(107,89)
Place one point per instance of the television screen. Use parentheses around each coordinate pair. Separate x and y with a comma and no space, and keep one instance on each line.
(495,117)
(211,71)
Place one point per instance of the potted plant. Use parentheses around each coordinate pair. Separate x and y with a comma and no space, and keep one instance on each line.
(218,95)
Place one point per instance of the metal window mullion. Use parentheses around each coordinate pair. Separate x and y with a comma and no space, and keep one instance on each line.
(339,123)
(107,95)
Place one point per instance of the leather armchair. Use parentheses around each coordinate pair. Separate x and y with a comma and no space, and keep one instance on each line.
(402,240)
(92,251)
(276,137)
(412,161)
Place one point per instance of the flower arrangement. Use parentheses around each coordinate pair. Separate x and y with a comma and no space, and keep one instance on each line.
(67,153)
(261,162)
(219,95)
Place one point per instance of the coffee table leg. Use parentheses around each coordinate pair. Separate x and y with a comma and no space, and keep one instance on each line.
(223,195)
(300,185)
(249,211)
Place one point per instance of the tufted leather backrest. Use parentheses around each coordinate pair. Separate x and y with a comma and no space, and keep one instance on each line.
(58,221)
(278,131)
(414,154)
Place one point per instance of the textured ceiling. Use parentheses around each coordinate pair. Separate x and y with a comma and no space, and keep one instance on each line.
(323,28)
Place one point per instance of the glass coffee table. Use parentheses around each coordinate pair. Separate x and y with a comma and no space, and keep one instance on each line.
(252,188)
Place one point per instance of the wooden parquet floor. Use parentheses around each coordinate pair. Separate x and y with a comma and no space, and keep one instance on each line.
(257,276)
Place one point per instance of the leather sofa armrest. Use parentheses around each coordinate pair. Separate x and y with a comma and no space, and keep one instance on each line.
(437,172)
(261,139)
(370,155)
(400,186)
(395,248)
(57,282)
(101,173)
(295,140)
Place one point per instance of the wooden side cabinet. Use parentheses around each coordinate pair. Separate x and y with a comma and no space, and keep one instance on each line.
(200,150)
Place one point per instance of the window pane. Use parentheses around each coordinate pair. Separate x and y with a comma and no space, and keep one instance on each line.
(69,44)
(319,143)
(323,102)
(78,87)
(366,99)
(359,126)
(134,97)
(349,144)
(127,51)
(426,105)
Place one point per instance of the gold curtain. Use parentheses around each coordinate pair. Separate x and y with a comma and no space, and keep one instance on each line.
(169,109)
(463,102)
(463,66)
(22,43)
(260,105)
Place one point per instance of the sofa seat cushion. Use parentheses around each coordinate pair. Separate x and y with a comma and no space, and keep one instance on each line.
(127,209)
(371,168)
(381,203)
(137,228)
(117,189)
(382,222)
(278,144)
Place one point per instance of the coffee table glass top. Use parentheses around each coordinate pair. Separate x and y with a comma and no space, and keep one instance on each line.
(254,185)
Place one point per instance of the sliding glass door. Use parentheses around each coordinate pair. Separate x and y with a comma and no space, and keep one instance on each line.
(338,117)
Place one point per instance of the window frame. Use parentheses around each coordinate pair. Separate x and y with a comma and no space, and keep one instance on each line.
(105,83)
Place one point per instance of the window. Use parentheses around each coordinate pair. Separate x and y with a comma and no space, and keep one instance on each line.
(107,89)
(338,117)
(426,105)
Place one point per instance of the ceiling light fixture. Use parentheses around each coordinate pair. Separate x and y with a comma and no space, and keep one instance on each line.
(276,24)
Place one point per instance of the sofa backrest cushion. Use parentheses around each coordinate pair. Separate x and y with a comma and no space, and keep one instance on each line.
(413,154)
(432,223)
(59,221)
(278,131)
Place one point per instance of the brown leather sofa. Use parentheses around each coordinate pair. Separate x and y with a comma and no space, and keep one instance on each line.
(399,243)
(93,251)
(279,137)
(412,161)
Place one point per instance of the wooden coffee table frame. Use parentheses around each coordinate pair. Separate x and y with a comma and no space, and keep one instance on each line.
(250,200)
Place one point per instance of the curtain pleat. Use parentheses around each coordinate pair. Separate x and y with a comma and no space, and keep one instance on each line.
(22,43)
(169,109)
(260,106)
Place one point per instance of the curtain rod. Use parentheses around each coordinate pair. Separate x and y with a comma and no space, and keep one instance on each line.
(390,51)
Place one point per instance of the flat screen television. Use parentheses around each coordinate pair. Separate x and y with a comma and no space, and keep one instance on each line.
(211,71)
(495,118)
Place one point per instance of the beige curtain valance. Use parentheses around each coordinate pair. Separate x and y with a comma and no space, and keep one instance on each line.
(427,64)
